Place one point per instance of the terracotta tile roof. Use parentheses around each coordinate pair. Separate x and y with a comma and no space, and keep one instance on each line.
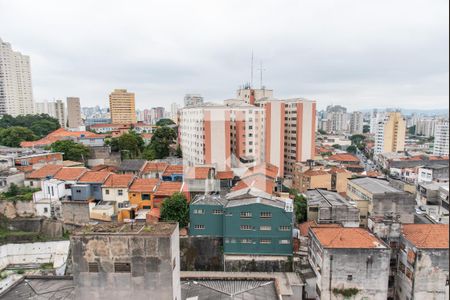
(104,168)
(94,177)
(335,170)
(168,188)
(434,157)
(431,236)
(258,181)
(225,175)
(346,238)
(70,173)
(304,227)
(343,157)
(119,180)
(57,135)
(264,168)
(110,125)
(155,167)
(197,173)
(311,172)
(173,169)
(25,169)
(45,171)
(144,185)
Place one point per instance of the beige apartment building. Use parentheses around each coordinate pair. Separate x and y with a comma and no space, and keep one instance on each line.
(73,112)
(390,135)
(122,107)
(318,177)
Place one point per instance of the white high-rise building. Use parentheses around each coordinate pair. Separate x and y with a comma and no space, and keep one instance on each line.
(55,109)
(174,108)
(192,100)
(441,136)
(356,122)
(425,127)
(16,94)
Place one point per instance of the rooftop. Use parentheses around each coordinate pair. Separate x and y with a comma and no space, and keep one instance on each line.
(319,197)
(44,172)
(132,165)
(119,180)
(159,229)
(209,200)
(259,181)
(374,185)
(94,177)
(144,185)
(344,157)
(198,172)
(346,238)
(173,169)
(57,135)
(70,173)
(155,167)
(168,188)
(427,236)
(225,175)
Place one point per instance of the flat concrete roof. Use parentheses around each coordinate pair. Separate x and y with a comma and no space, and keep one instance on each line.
(375,186)
(319,197)
(158,229)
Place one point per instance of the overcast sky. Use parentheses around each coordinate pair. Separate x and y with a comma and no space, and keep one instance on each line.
(361,53)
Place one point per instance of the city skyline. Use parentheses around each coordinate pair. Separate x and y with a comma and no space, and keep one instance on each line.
(360,62)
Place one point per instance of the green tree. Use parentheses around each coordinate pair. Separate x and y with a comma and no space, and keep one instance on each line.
(300,208)
(165,122)
(29,121)
(162,138)
(179,152)
(357,139)
(351,149)
(336,146)
(43,127)
(71,150)
(13,136)
(129,144)
(322,131)
(149,154)
(366,128)
(175,208)
(412,130)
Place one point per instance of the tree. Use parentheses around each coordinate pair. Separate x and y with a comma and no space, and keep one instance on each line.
(130,143)
(175,208)
(357,139)
(71,150)
(13,136)
(336,146)
(300,208)
(322,131)
(149,154)
(165,122)
(41,125)
(162,138)
(412,130)
(351,149)
(179,152)
(366,128)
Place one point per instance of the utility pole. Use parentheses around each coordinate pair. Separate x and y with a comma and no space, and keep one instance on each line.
(261,70)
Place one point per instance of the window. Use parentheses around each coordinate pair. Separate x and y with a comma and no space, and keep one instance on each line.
(266,214)
(122,267)
(199,227)
(107,192)
(265,242)
(284,242)
(78,191)
(145,196)
(199,211)
(246,241)
(265,228)
(31,183)
(285,228)
(93,267)
(120,192)
(246,227)
(246,215)
(45,209)
(217,212)
(349,277)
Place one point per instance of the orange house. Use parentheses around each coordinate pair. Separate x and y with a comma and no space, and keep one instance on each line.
(166,189)
(141,192)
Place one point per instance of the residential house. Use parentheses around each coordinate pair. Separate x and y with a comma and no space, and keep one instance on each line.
(173,173)
(377,197)
(115,190)
(166,189)
(423,266)
(225,178)
(320,177)
(326,207)
(154,169)
(141,192)
(70,177)
(430,173)
(132,166)
(35,178)
(201,180)
(89,186)
(349,262)
(11,176)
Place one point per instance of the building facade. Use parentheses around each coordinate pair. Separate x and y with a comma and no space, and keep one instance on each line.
(193,100)
(441,137)
(122,107)
(73,112)
(390,135)
(16,94)
(356,122)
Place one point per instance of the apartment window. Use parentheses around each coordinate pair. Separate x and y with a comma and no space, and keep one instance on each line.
(120,267)
(284,242)
(285,228)
(265,228)
(107,192)
(145,196)
(120,192)
(217,212)
(199,211)
(199,227)
(265,241)
(45,210)
(246,215)
(31,183)
(246,241)
(93,267)
(349,277)
(266,214)
(246,227)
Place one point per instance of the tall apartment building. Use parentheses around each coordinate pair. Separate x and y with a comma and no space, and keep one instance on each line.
(156,114)
(338,121)
(122,107)
(425,127)
(390,136)
(251,96)
(16,94)
(55,109)
(280,132)
(441,136)
(174,108)
(356,122)
(73,112)
(193,100)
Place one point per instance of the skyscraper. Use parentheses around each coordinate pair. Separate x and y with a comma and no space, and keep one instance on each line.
(390,136)
(73,112)
(16,95)
(441,137)
(122,107)
(356,122)
(55,109)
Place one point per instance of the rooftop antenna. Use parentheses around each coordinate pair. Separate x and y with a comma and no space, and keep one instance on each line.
(261,70)
(251,74)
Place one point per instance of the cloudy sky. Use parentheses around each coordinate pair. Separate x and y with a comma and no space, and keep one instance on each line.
(361,54)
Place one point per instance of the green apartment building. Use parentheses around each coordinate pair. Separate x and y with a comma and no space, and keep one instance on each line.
(249,220)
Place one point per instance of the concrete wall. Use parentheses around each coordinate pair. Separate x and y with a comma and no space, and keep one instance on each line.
(55,252)
(201,253)
(17,209)
(257,263)
(154,266)
(402,204)
(75,212)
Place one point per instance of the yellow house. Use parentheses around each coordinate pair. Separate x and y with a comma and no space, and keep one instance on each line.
(141,192)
